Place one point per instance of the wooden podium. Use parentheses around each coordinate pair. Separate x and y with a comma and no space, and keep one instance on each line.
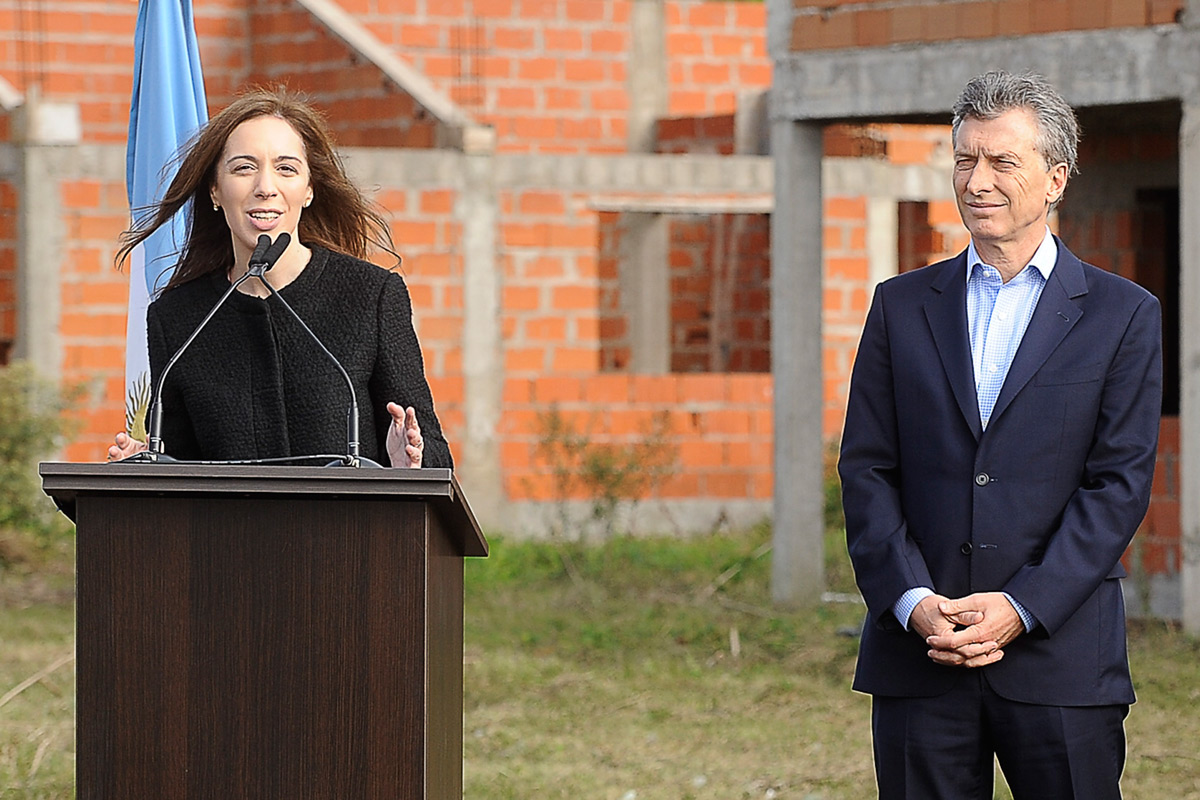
(267,632)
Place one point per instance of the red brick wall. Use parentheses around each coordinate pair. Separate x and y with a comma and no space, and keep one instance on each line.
(82,51)
(565,339)
(847,295)
(287,46)
(550,75)
(721,426)
(94,301)
(551,301)
(1158,548)
(824,25)
(711,135)
(720,293)
(714,50)
(615,348)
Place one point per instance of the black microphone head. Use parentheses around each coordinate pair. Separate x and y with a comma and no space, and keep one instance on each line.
(276,250)
(260,250)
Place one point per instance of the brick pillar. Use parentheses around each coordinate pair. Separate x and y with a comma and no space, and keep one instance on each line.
(797,570)
(1189,378)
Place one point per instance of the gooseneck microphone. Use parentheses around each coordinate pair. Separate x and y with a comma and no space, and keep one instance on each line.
(154,444)
(259,270)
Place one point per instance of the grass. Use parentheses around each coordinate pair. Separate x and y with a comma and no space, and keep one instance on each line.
(645,669)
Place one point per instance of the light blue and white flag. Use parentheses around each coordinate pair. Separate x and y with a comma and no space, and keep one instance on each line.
(168,108)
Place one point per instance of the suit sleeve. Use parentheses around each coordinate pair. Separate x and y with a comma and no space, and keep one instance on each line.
(399,374)
(1115,480)
(887,562)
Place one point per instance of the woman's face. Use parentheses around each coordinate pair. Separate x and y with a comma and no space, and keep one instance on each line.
(263,182)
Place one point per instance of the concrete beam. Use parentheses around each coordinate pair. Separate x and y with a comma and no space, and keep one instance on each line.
(797,570)
(1090,68)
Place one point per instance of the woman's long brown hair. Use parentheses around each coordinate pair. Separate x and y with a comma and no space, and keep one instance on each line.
(339,218)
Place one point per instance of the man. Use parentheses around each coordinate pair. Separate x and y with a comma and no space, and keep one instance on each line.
(997,458)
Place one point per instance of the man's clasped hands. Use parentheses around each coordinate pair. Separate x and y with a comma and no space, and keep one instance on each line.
(971,631)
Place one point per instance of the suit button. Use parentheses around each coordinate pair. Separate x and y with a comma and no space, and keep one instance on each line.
(965,549)
(982,479)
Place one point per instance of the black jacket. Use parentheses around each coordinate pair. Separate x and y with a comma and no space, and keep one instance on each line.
(254,385)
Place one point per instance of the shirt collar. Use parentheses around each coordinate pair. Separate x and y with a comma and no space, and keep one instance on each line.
(1043,259)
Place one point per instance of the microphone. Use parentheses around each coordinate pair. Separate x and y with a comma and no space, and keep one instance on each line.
(263,258)
(268,259)
(266,254)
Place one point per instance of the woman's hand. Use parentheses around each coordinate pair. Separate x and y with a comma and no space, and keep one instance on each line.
(404,444)
(124,446)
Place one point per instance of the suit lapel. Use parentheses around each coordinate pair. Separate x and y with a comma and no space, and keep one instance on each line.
(1057,312)
(946,313)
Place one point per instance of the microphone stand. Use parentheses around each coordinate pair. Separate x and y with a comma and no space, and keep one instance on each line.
(352,458)
(154,444)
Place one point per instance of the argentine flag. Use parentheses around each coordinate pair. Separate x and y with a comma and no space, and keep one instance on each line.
(167,109)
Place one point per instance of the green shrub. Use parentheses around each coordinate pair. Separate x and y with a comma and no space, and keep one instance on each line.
(33,426)
(608,475)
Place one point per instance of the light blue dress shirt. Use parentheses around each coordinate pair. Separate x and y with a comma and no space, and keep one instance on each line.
(997,315)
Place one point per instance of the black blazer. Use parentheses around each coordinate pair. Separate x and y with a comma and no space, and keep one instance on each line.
(254,385)
(1041,505)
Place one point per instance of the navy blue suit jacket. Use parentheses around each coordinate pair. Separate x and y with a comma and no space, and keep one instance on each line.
(1041,505)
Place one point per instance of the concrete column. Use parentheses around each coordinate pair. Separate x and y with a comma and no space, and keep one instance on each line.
(750,124)
(645,280)
(43,132)
(1189,373)
(646,76)
(478,460)
(797,572)
(883,233)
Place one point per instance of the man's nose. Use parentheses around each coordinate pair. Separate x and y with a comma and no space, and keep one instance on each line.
(980,179)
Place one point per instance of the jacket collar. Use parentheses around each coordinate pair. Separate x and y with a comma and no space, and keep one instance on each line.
(1058,310)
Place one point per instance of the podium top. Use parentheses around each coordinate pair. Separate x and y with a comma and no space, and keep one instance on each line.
(66,482)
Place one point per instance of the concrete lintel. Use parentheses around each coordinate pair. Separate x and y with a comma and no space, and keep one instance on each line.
(657,204)
(1090,68)
(871,178)
(386,166)
(675,174)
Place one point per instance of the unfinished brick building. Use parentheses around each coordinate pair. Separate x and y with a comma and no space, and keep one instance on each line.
(581,193)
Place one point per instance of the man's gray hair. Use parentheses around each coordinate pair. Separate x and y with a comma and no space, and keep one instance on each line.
(989,95)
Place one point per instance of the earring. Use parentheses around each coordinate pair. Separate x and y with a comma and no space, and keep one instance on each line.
(216,206)
(308,202)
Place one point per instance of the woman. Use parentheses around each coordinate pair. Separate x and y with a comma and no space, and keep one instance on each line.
(253,384)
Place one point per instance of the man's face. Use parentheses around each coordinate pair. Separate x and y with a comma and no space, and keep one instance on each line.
(1001,183)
